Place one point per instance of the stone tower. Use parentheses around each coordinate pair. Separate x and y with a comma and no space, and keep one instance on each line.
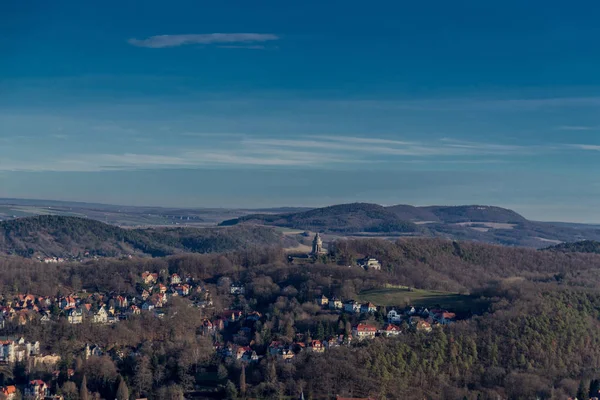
(317,245)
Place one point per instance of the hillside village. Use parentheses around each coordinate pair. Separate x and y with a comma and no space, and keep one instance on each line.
(231,330)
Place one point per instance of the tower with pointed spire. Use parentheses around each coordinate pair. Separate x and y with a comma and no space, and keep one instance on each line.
(317,246)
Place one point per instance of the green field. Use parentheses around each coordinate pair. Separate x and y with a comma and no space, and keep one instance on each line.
(423,298)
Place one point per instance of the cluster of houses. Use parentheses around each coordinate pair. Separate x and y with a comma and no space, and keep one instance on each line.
(35,389)
(100,308)
(421,319)
(18,350)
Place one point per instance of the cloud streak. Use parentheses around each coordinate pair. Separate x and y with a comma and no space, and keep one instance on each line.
(588,147)
(576,128)
(236,40)
(312,151)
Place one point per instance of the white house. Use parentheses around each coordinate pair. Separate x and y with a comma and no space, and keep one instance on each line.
(75,316)
(370,263)
(100,316)
(394,317)
(237,288)
(364,331)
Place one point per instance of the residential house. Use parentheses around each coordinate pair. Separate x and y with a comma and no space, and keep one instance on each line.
(242,351)
(9,392)
(394,317)
(390,330)
(7,351)
(182,290)
(92,351)
(335,304)
(251,357)
(370,263)
(175,279)
(46,318)
(162,289)
(134,310)
(122,302)
(36,390)
(364,331)
(286,354)
(316,346)
(67,302)
(100,316)
(44,301)
(149,278)
(423,326)
(237,288)
(47,361)
(207,326)
(156,300)
(368,308)
(230,316)
(75,316)
(322,300)
(442,317)
(147,306)
(331,342)
(275,347)
(352,306)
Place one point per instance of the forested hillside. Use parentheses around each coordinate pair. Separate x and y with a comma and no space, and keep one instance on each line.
(585,246)
(537,336)
(343,218)
(72,237)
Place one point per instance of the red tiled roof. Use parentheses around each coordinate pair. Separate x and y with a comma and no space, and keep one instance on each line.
(12,389)
(365,328)
(391,327)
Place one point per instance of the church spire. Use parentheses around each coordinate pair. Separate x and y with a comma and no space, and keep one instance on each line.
(317,245)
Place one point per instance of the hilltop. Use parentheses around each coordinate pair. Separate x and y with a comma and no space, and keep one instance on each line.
(342,218)
(473,222)
(60,236)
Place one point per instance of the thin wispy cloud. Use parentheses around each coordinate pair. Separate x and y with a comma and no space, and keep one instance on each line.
(388,147)
(590,147)
(234,39)
(316,151)
(354,139)
(577,128)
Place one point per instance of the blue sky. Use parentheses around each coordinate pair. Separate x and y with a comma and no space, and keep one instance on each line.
(271,103)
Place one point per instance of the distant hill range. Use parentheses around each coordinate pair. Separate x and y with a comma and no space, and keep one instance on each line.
(471,222)
(480,223)
(59,236)
(584,246)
